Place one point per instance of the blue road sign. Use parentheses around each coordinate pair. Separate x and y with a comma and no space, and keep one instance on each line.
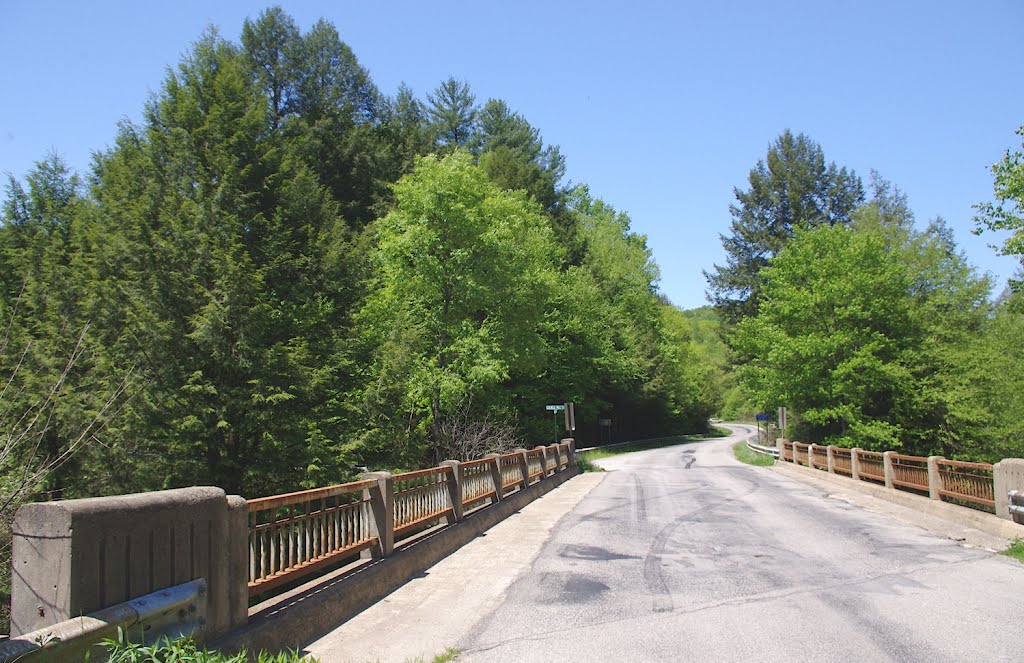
(762,417)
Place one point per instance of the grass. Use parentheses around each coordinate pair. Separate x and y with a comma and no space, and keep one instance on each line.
(586,459)
(447,655)
(745,455)
(185,650)
(1016,549)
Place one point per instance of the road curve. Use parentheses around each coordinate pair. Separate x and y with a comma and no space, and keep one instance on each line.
(684,554)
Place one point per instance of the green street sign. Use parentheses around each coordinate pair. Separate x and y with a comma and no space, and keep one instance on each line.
(555,408)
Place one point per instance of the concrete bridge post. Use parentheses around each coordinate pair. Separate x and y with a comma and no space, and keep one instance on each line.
(572,450)
(496,476)
(543,460)
(524,466)
(454,481)
(1007,475)
(382,504)
(887,468)
(855,463)
(934,478)
(830,453)
(811,453)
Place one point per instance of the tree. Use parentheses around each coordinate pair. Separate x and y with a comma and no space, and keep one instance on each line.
(270,46)
(792,188)
(453,113)
(220,270)
(463,273)
(861,331)
(1007,212)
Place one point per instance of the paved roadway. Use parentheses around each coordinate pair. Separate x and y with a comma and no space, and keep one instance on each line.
(684,554)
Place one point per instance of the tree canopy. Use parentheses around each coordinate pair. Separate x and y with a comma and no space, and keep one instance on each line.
(281,274)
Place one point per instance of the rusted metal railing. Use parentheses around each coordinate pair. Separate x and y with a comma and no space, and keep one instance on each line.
(800,453)
(421,498)
(300,533)
(910,472)
(478,482)
(967,482)
(786,453)
(296,534)
(819,461)
(511,473)
(535,463)
(842,461)
(871,465)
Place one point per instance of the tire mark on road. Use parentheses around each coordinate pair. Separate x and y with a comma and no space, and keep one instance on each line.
(639,500)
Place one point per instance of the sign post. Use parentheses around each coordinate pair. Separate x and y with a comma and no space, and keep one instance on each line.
(555,409)
(760,418)
(782,422)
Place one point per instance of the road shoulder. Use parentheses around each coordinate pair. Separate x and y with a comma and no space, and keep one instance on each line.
(971,528)
(433,611)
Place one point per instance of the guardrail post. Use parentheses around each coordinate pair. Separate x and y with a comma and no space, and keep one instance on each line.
(855,463)
(934,478)
(571,450)
(830,454)
(887,469)
(810,455)
(543,460)
(454,481)
(496,476)
(382,503)
(1007,475)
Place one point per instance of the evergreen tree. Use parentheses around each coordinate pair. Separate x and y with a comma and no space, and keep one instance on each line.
(793,187)
(453,114)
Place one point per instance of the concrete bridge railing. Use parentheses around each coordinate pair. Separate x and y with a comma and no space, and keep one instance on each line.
(79,557)
(981,486)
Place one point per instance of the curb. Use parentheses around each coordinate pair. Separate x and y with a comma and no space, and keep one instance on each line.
(966,517)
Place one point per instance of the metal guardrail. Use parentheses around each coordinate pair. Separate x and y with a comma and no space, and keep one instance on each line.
(769,451)
(171,613)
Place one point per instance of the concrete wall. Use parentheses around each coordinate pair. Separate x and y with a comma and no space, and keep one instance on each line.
(1008,475)
(76,557)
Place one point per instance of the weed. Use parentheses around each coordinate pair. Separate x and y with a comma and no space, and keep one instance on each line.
(1016,549)
(745,455)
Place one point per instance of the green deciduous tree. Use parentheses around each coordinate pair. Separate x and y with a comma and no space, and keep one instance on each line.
(1007,212)
(464,270)
(859,332)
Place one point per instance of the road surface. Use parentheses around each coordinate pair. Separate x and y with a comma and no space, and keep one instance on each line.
(684,554)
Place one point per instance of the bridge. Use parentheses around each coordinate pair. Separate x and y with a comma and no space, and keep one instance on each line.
(676,554)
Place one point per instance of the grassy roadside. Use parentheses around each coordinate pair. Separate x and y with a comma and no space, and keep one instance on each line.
(587,458)
(745,455)
(1016,550)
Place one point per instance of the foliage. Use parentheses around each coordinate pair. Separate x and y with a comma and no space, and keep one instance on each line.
(743,454)
(792,188)
(185,650)
(857,333)
(294,275)
(1016,549)
(1007,212)
(462,273)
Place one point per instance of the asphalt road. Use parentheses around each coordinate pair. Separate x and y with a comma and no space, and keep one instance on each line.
(684,554)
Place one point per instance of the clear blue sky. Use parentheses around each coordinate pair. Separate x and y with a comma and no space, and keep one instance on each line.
(661,107)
